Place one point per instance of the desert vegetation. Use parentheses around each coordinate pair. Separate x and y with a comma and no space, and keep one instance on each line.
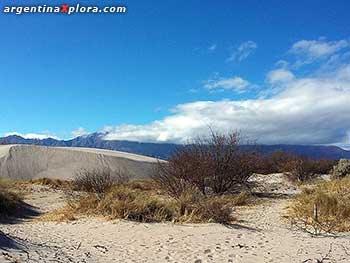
(98,180)
(214,165)
(342,169)
(10,201)
(201,182)
(53,183)
(297,168)
(124,202)
(323,208)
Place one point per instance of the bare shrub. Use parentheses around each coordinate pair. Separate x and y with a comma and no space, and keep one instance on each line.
(210,165)
(342,169)
(325,208)
(274,162)
(300,169)
(98,180)
(280,162)
(324,166)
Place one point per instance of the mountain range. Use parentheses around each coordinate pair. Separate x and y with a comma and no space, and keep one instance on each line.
(164,150)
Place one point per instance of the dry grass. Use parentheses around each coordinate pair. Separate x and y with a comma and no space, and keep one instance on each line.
(323,208)
(141,201)
(53,183)
(10,201)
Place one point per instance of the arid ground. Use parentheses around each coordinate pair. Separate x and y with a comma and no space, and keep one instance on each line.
(260,234)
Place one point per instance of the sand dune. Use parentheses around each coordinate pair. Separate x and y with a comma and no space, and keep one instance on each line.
(28,161)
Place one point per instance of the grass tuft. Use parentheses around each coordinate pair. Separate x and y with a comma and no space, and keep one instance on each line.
(324,208)
(53,183)
(9,200)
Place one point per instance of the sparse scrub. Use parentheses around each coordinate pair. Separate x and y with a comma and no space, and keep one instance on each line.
(324,166)
(214,165)
(53,183)
(342,169)
(125,202)
(300,169)
(146,185)
(9,200)
(325,208)
(98,180)
(274,162)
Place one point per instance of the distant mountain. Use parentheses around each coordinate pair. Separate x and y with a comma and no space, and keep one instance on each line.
(164,150)
(95,140)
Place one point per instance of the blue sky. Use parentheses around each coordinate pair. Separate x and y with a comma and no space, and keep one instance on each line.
(166,69)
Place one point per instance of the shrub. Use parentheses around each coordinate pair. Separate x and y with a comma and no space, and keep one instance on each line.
(300,169)
(324,166)
(325,208)
(274,162)
(342,169)
(210,165)
(280,162)
(98,180)
(9,201)
(124,202)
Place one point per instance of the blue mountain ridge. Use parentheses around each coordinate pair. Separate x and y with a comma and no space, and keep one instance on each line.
(164,150)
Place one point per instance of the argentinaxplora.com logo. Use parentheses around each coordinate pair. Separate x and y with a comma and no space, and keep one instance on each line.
(67,9)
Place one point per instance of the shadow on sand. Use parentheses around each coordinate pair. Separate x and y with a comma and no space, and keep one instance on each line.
(240,226)
(7,242)
(272,195)
(24,212)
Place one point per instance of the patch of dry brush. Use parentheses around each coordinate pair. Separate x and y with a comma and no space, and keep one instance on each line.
(323,208)
(140,201)
(9,200)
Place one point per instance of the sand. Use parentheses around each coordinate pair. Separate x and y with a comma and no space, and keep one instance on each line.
(28,162)
(260,235)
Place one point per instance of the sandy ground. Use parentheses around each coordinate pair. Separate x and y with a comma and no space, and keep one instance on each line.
(260,235)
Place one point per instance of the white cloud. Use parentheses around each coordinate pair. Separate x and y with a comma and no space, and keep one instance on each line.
(309,51)
(310,110)
(280,76)
(79,132)
(243,51)
(236,84)
(40,136)
(318,48)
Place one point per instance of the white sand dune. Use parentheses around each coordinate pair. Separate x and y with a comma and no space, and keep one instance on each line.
(29,161)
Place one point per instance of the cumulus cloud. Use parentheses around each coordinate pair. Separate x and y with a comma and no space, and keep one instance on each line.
(243,51)
(79,132)
(308,110)
(236,84)
(39,136)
